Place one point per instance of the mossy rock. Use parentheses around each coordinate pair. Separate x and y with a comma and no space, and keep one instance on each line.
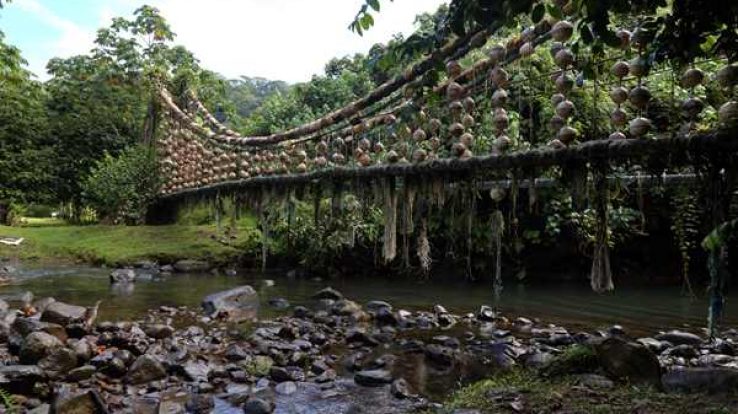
(576,359)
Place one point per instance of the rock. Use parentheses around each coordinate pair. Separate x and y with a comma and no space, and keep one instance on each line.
(200,403)
(191,266)
(258,406)
(3,306)
(384,316)
(25,326)
(654,345)
(373,378)
(301,312)
(279,303)
(20,379)
(145,369)
(38,345)
(235,353)
(486,313)
(345,307)
(680,338)
(710,360)
(158,331)
(328,293)
(196,371)
(82,373)
(683,351)
(89,402)
(58,361)
(238,304)
(41,409)
(439,355)
(43,303)
(595,381)
(286,388)
(375,305)
(63,314)
(283,374)
(710,380)
(629,360)
(357,335)
(400,389)
(439,309)
(83,350)
(123,276)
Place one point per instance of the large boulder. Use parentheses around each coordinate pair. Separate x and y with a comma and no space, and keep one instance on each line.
(191,266)
(328,293)
(63,313)
(146,369)
(37,345)
(238,304)
(123,276)
(20,378)
(629,360)
(710,380)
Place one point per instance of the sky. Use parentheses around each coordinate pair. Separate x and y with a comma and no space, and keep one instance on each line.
(286,40)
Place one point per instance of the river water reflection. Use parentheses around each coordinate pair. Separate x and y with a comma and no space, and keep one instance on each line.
(640,310)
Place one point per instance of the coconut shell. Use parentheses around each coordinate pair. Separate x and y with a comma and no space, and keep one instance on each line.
(620,69)
(564,58)
(624,36)
(567,134)
(617,135)
(453,69)
(618,117)
(639,127)
(556,123)
(639,97)
(419,155)
(469,104)
(728,114)
(557,98)
(619,94)
(562,31)
(435,125)
(392,157)
(499,98)
(458,149)
(467,121)
(692,77)
(565,109)
(454,91)
(527,49)
(456,129)
(467,139)
(419,135)
(564,83)
(497,53)
(499,77)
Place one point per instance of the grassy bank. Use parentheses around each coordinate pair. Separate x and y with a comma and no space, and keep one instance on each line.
(522,391)
(118,245)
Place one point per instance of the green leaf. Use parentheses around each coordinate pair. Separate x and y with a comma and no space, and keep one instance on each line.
(367,21)
(538,12)
(554,11)
(374,4)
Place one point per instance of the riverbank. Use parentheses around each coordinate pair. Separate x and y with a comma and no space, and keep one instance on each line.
(124,245)
(334,355)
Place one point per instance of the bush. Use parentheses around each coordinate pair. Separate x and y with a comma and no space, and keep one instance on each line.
(121,188)
(39,210)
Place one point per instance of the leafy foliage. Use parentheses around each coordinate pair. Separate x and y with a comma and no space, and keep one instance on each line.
(121,188)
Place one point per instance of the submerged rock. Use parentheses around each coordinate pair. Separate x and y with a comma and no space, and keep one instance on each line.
(258,406)
(89,402)
(191,266)
(328,293)
(20,378)
(238,304)
(123,276)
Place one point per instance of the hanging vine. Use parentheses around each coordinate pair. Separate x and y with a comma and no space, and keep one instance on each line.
(685,225)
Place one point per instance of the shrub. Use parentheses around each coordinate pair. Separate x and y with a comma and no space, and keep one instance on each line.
(121,188)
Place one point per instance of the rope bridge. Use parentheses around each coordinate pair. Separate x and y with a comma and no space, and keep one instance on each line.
(408,137)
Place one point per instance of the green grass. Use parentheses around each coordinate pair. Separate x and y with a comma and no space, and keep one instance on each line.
(532,393)
(119,245)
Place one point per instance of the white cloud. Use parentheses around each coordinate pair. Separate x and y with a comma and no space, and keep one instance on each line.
(281,39)
(278,39)
(72,39)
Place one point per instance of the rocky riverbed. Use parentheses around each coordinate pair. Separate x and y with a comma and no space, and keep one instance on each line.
(334,356)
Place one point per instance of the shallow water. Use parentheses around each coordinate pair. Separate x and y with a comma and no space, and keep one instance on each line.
(639,310)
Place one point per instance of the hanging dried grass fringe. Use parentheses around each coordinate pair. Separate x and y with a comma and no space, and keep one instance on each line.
(497,225)
(317,198)
(439,192)
(390,220)
(424,248)
(470,213)
(601,276)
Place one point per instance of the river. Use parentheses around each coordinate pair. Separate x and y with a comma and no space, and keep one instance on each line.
(640,311)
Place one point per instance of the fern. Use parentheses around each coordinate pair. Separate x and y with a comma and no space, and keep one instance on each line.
(8,401)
